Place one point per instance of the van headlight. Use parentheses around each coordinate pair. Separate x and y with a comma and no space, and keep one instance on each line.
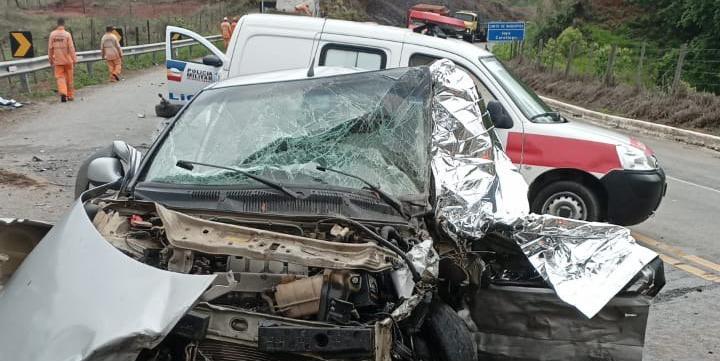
(634,158)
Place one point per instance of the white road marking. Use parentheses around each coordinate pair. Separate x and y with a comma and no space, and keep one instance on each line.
(694,184)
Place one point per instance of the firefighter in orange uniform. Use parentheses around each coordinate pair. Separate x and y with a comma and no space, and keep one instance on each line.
(112,53)
(233,24)
(62,57)
(225,31)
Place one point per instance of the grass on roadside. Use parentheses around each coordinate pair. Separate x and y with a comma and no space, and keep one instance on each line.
(42,83)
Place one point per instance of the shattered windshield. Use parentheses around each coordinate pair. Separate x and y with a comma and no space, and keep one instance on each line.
(375,125)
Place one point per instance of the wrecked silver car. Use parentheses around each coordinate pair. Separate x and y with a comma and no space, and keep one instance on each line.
(343,216)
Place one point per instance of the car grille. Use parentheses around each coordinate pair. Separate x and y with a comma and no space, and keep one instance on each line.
(226,351)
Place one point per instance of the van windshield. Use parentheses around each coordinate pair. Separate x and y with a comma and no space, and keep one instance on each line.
(529,103)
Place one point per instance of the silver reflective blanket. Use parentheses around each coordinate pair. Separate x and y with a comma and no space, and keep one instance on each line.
(587,263)
(475,182)
(477,186)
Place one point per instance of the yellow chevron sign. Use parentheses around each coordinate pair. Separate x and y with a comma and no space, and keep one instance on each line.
(21,44)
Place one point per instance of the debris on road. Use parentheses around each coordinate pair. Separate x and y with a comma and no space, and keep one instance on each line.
(18,180)
(10,103)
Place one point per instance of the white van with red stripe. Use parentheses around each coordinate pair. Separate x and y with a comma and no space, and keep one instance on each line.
(574,170)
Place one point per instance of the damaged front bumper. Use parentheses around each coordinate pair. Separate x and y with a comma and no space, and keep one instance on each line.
(76,297)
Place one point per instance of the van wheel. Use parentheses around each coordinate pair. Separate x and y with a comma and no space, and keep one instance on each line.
(568,199)
(449,338)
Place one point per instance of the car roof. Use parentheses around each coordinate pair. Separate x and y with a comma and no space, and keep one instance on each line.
(365,30)
(284,75)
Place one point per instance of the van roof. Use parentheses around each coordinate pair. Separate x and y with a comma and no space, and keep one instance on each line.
(284,75)
(366,30)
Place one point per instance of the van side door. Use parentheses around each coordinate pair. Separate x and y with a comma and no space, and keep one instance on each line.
(257,47)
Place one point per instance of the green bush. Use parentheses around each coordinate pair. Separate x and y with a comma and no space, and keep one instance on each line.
(567,38)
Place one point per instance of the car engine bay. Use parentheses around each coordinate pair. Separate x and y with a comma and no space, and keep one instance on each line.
(322,287)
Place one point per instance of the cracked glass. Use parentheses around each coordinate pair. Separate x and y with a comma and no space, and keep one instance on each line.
(375,125)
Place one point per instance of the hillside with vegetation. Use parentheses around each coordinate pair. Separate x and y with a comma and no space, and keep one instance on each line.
(394,12)
(656,60)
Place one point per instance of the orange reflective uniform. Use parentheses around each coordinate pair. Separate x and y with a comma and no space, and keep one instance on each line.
(303,9)
(61,54)
(225,31)
(233,24)
(112,53)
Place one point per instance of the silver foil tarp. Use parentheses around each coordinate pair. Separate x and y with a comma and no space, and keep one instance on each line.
(426,262)
(587,263)
(477,185)
(475,182)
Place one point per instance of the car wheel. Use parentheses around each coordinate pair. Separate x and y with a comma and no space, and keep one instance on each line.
(472,38)
(568,199)
(449,338)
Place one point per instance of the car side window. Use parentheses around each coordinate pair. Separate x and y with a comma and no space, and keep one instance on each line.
(353,56)
(419,59)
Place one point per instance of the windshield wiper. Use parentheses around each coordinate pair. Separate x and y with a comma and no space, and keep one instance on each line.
(189,165)
(387,198)
(554,115)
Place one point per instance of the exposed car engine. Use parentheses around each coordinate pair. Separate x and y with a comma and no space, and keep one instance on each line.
(323,288)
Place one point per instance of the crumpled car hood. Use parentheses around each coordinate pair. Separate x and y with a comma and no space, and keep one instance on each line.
(76,297)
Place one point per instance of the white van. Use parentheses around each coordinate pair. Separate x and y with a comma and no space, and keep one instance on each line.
(574,170)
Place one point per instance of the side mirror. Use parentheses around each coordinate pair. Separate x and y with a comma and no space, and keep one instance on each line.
(104,170)
(117,162)
(501,119)
(212,60)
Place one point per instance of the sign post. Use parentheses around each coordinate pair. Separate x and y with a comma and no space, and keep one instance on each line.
(21,45)
(506,31)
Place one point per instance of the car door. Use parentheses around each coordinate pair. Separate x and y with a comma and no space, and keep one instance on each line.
(192,63)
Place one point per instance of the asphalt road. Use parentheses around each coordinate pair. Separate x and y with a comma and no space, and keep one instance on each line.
(42,145)
(685,316)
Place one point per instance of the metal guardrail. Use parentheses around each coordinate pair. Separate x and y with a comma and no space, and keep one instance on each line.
(23,67)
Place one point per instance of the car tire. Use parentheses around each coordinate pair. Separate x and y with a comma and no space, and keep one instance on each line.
(472,38)
(165,110)
(568,199)
(448,335)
